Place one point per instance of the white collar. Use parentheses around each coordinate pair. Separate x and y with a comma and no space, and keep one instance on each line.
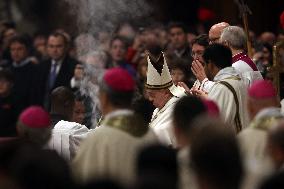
(22,63)
(225,73)
(173,100)
(118,112)
(59,62)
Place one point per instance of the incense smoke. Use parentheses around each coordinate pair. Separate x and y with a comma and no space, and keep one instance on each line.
(99,18)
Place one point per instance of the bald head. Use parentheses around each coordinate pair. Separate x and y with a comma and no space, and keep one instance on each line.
(216,30)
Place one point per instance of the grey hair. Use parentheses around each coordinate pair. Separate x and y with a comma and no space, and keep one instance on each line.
(235,36)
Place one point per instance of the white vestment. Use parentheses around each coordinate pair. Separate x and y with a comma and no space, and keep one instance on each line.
(225,98)
(66,138)
(253,145)
(110,152)
(162,123)
(246,72)
(205,85)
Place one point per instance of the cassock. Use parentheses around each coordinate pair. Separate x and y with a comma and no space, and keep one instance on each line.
(253,143)
(111,149)
(66,138)
(162,123)
(225,100)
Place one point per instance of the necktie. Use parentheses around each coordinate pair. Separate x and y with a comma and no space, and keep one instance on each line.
(52,74)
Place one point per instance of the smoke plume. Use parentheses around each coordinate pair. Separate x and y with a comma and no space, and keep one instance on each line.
(95,17)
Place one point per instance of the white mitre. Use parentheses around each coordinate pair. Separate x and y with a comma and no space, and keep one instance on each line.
(163,80)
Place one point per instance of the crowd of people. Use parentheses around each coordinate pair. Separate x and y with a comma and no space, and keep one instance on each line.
(153,107)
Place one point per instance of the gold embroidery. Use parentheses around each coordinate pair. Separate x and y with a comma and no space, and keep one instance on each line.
(132,124)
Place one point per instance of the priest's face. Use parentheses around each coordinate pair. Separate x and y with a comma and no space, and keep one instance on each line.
(158,97)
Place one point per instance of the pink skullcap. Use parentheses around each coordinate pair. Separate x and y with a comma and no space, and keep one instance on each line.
(35,117)
(119,79)
(262,89)
(212,107)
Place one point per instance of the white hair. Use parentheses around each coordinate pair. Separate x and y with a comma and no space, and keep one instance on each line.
(234,36)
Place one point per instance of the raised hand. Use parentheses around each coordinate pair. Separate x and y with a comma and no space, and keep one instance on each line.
(198,70)
(199,93)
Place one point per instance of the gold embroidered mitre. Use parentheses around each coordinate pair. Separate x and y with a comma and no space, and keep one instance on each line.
(158,74)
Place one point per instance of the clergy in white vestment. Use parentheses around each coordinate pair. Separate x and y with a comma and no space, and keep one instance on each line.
(228,91)
(235,38)
(163,94)
(263,108)
(111,149)
(66,138)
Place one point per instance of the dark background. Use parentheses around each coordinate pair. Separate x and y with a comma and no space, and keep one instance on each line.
(47,15)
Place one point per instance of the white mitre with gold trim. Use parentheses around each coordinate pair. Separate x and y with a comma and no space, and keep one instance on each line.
(159,77)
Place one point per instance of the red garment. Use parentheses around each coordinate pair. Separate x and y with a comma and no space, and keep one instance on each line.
(282,19)
(129,56)
(244,57)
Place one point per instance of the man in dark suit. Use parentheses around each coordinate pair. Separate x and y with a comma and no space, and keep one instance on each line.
(178,46)
(56,71)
